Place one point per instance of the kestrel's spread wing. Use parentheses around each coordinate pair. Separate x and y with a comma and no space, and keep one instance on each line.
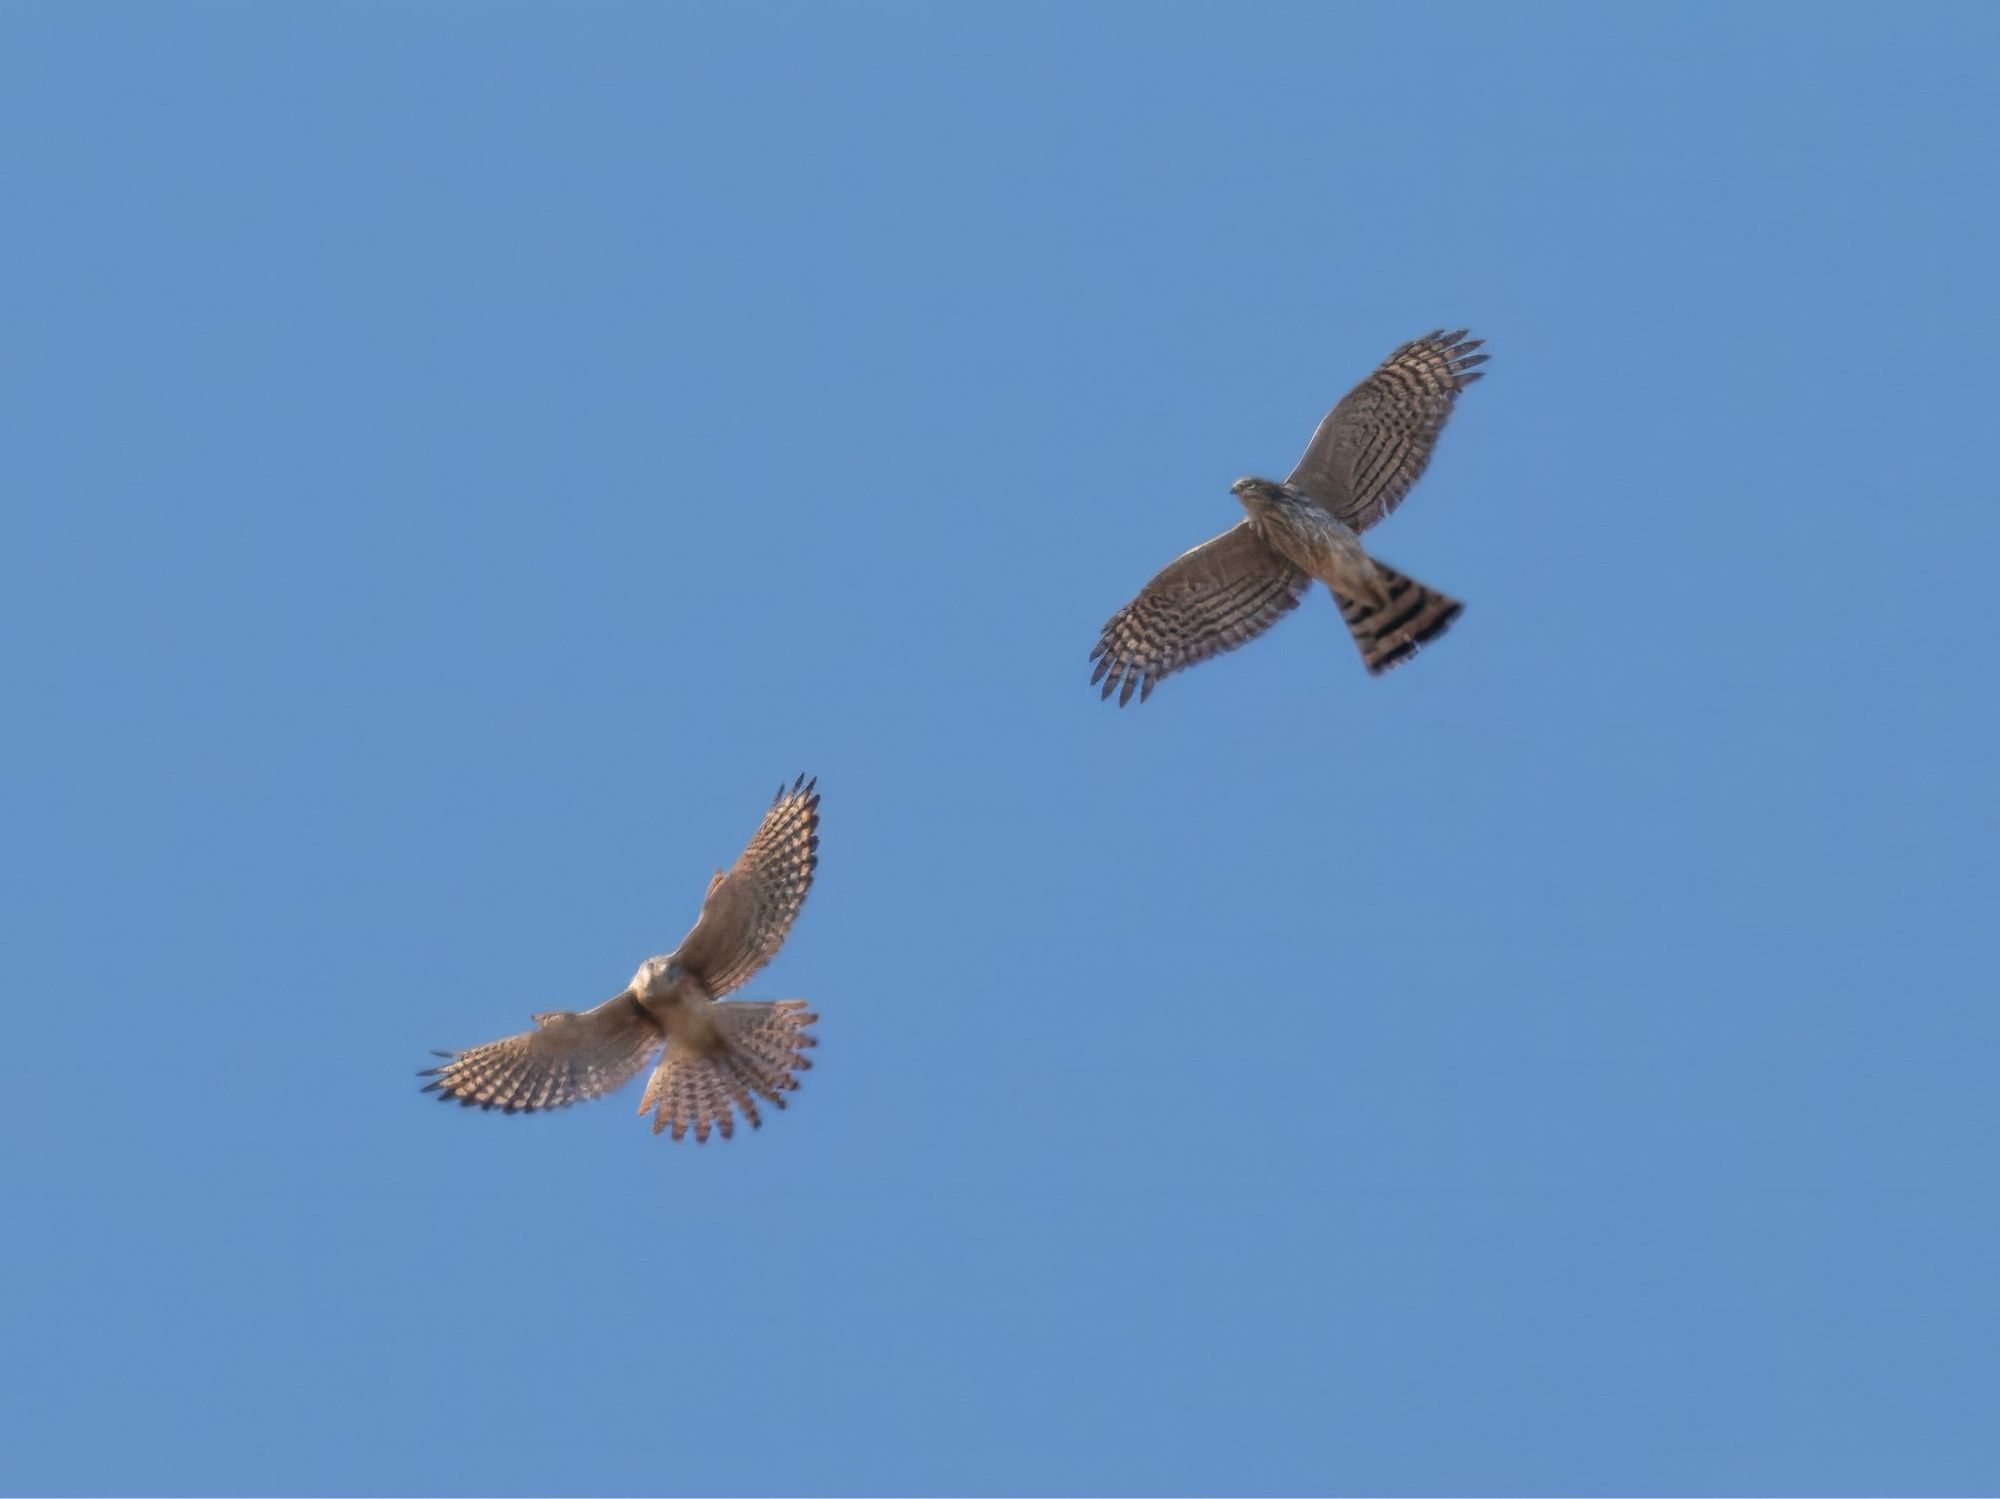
(565,1058)
(1374,445)
(748,910)
(1226,591)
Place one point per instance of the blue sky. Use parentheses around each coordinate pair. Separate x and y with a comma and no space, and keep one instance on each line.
(460,458)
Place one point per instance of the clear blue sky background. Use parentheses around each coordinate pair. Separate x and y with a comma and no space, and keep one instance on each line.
(459,458)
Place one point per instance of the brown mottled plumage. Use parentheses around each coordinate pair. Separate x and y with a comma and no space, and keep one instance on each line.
(719,1058)
(1361,462)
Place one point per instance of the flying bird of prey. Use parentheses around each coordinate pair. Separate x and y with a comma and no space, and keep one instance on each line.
(719,1057)
(1362,460)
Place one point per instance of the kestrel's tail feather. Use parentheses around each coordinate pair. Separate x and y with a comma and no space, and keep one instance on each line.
(1406,616)
(714,1070)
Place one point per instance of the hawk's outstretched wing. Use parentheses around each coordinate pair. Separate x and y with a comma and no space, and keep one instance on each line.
(1373,446)
(565,1058)
(748,910)
(1228,590)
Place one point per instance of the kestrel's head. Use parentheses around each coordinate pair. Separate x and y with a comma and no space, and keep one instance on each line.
(655,976)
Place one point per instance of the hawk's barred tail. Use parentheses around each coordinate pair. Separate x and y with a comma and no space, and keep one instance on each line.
(1410,615)
(754,1051)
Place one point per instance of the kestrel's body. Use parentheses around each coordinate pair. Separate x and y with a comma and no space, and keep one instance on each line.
(1362,460)
(716,1057)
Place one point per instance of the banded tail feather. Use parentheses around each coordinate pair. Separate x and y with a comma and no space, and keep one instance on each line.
(1390,629)
(712,1073)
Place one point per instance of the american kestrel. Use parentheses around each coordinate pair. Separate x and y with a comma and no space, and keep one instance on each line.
(719,1058)
(1362,460)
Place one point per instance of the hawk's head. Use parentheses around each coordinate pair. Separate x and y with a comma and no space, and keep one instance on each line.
(1258,490)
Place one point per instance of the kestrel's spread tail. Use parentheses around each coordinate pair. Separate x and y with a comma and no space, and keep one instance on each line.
(739,1051)
(719,1057)
(1406,615)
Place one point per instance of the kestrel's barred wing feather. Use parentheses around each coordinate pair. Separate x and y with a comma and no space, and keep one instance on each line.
(1227,591)
(748,911)
(1374,445)
(567,1057)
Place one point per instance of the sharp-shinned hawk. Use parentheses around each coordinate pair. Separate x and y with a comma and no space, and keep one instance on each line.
(719,1058)
(1362,460)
